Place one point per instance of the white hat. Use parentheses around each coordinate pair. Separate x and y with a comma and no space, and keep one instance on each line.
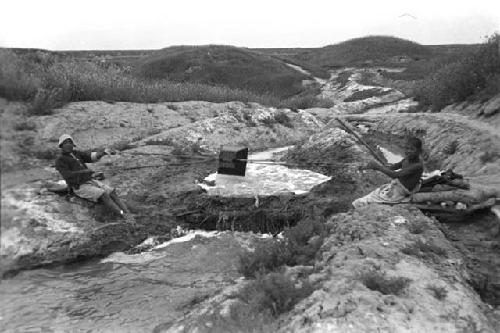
(63,138)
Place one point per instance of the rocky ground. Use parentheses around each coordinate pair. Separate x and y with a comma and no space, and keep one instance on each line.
(445,275)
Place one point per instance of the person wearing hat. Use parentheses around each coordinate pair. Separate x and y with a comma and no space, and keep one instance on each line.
(83,181)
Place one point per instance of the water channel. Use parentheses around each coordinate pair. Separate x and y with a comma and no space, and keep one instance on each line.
(137,292)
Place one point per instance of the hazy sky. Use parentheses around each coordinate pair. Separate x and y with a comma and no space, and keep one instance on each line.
(154,24)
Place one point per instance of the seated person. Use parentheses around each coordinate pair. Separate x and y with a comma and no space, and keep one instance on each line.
(406,177)
(82,181)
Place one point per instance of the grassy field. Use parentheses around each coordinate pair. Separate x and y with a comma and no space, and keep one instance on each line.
(223,65)
(48,80)
(435,75)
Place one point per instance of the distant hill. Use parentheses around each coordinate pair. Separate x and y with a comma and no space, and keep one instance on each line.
(223,65)
(419,60)
(371,50)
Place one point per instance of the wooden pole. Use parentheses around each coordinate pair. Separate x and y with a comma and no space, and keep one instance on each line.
(350,130)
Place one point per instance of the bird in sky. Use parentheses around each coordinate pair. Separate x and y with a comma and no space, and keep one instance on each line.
(408,15)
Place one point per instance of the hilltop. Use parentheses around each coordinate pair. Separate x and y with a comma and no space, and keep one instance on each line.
(223,65)
(372,51)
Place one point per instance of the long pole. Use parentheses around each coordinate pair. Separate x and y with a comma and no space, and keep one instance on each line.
(349,130)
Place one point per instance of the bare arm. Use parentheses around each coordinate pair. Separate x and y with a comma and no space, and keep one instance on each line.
(396,166)
(408,170)
(90,157)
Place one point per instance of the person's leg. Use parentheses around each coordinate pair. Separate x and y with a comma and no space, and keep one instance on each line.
(127,216)
(108,202)
(118,202)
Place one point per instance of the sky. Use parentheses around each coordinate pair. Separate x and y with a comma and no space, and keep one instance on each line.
(155,24)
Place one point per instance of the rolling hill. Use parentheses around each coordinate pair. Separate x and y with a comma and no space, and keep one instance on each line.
(223,65)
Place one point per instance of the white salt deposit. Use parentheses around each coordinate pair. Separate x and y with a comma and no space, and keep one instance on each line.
(264,178)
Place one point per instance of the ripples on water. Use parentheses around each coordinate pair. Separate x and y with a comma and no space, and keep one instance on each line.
(136,292)
(131,293)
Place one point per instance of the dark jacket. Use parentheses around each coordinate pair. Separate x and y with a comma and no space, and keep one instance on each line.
(68,163)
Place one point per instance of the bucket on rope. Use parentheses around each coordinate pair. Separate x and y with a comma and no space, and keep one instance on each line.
(233,160)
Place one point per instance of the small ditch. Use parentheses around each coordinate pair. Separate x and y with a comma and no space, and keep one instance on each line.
(478,239)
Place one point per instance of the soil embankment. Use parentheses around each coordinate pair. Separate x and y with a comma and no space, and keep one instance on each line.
(381,268)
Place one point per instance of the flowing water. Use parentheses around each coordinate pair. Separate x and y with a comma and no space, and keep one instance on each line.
(123,293)
(137,292)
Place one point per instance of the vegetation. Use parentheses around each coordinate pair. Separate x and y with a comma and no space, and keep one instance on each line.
(298,247)
(370,50)
(283,119)
(423,250)
(439,293)
(48,81)
(377,280)
(417,227)
(476,74)
(435,75)
(25,126)
(271,291)
(223,65)
(274,293)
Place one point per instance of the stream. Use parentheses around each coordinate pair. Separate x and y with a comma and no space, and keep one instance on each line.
(137,292)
